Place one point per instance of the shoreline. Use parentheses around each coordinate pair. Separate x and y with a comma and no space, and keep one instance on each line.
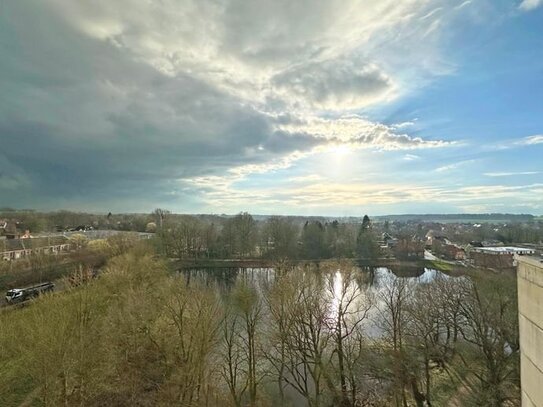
(268,263)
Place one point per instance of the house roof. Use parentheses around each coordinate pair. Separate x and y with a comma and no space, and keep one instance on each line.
(505,250)
(33,243)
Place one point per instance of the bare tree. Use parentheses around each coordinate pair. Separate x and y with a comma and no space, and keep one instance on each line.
(489,308)
(193,314)
(394,297)
(351,304)
(307,337)
(428,335)
(279,299)
(161,216)
(242,369)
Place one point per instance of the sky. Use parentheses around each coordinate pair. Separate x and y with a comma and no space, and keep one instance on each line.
(307,107)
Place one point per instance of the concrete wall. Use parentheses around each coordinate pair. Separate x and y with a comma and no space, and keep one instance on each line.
(530,297)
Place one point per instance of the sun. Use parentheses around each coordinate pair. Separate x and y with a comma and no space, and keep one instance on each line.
(340,150)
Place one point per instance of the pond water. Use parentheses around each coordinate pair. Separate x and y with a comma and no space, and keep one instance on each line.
(375,277)
(373,284)
(331,284)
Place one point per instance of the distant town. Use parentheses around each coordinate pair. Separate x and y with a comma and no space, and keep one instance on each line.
(485,241)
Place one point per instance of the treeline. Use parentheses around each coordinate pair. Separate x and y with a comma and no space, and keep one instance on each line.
(212,236)
(509,233)
(460,217)
(241,236)
(318,337)
(513,233)
(338,240)
(37,222)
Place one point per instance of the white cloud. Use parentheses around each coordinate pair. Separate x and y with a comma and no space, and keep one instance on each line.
(453,166)
(328,53)
(531,140)
(404,124)
(446,168)
(360,133)
(516,143)
(411,157)
(510,174)
(306,178)
(464,4)
(528,5)
(334,195)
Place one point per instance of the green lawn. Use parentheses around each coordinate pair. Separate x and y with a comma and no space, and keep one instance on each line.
(438,265)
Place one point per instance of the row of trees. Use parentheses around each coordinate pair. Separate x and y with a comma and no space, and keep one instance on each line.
(38,222)
(277,237)
(318,337)
(513,228)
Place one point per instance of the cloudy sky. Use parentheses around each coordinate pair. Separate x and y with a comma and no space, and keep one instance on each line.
(323,107)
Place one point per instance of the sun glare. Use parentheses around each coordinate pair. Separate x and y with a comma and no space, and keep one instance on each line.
(341,150)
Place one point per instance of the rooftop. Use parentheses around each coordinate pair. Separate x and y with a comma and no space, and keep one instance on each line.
(31,243)
(505,249)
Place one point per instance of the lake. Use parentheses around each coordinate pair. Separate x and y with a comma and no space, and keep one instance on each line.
(372,282)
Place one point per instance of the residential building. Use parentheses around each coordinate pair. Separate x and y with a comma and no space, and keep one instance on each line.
(14,249)
(530,305)
(454,252)
(498,257)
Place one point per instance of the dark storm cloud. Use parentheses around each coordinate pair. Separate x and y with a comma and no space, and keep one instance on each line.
(80,118)
(112,101)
